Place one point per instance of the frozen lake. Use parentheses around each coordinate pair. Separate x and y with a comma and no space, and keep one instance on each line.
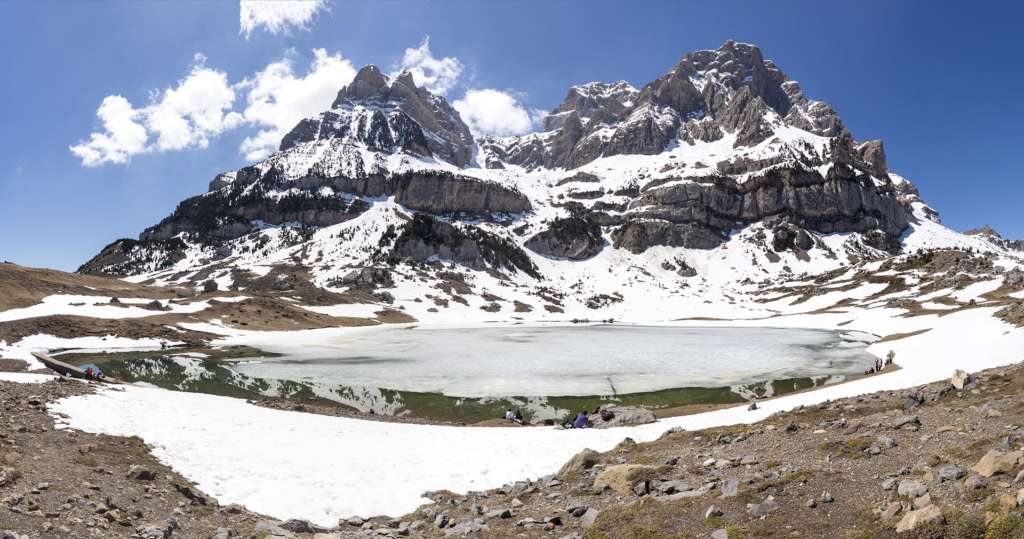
(565,360)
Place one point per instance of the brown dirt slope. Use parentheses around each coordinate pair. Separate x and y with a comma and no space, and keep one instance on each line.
(23,287)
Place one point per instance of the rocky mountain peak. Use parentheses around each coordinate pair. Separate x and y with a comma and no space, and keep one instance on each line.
(586,100)
(368,82)
(707,95)
(736,65)
(389,114)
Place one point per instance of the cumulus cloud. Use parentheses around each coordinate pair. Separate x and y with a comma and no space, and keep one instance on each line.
(277,99)
(198,108)
(494,112)
(276,16)
(184,116)
(122,136)
(201,106)
(435,74)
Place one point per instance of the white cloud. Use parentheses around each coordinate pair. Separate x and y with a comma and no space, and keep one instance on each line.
(202,106)
(277,99)
(276,16)
(198,108)
(435,74)
(494,112)
(122,136)
(187,115)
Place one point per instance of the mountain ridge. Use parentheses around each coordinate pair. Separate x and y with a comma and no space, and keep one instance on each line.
(722,155)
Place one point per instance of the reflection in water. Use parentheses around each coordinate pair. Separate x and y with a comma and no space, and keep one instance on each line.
(473,375)
(219,378)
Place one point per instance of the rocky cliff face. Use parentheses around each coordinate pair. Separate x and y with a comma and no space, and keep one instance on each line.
(701,211)
(722,142)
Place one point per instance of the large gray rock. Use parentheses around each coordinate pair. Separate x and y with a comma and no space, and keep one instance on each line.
(622,416)
(574,238)
(912,488)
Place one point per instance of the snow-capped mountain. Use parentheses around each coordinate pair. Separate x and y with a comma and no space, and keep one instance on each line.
(718,174)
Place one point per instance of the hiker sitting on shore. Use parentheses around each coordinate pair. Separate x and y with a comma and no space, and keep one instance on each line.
(518,417)
(581,421)
(509,415)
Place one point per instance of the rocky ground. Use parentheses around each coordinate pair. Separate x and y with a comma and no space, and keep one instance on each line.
(943,460)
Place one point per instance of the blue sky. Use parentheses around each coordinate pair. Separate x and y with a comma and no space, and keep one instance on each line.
(941,84)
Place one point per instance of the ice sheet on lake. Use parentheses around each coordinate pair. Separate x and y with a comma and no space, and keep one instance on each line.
(565,360)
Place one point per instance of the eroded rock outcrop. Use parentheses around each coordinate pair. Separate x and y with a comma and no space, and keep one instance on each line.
(575,238)
(425,238)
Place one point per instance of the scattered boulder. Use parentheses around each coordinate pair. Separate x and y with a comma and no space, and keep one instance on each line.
(157,532)
(186,491)
(730,488)
(584,460)
(271,530)
(466,528)
(620,478)
(975,482)
(951,472)
(301,526)
(368,277)
(760,510)
(140,473)
(918,518)
(960,379)
(912,488)
(905,421)
(588,518)
(891,510)
(886,442)
(998,462)
(621,416)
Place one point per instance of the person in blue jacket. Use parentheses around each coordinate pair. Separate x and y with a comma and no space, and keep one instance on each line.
(581,420)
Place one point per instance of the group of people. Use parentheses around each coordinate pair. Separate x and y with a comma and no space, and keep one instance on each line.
(880,364)
(581,421)
(515,417)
